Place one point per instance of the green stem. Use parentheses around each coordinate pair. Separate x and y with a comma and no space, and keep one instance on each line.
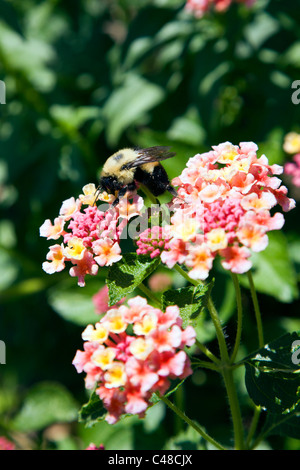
(227,374)
(202,348)
(225,368)
(205,365)
(219,330)
(234,408)
(256,310)
(149,294)
(212,311)
(239,316)
(253,426)
(207,352)
(185,275)
(179,402)
(191,423)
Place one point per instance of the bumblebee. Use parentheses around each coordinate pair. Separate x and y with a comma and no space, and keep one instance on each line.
(124,169)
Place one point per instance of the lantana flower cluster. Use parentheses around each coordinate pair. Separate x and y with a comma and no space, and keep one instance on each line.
(292,147)
(132,352)
(200,7)
(224,207)
(90,236)
(153,241)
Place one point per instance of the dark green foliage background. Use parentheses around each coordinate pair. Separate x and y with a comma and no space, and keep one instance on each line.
(84,78)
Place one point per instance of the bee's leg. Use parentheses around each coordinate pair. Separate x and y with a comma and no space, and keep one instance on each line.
(130,187)
(172,191)
(121,193)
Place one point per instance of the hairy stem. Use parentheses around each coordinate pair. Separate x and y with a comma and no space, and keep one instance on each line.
(253,426)
(239,316)
(207,352)
(227,374)
(149,294)
(202,348)
(191,423)
(234,408)
(225,368)
(185,275)
(261,341)
(219,330)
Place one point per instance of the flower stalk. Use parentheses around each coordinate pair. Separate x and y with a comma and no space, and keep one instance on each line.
(239,316)
(261,340)
(226,370)
(192,423)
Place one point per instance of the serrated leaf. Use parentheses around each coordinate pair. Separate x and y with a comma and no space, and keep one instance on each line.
(190,300)
(45,404)
(283,425)
(124,276)
(273,382)
(92,412)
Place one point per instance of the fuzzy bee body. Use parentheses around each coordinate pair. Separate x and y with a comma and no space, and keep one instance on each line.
(124,168)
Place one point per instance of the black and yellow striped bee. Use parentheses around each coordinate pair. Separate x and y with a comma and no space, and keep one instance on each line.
(125,168)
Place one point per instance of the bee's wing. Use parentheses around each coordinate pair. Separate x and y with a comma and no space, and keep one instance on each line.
(150,155)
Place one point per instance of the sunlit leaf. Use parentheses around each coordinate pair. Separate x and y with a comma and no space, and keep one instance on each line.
(124,276)
(46,403)
(129,103)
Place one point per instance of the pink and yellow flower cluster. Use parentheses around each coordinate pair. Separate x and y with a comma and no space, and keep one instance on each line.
(224,208)
(200,7)
(91,237)
(152,242)
(132,352)
(292,147)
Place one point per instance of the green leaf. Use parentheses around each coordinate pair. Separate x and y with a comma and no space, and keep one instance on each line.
(261,29)
(283,425)
(273,270)
(190,300)
(92,412)
(119,436)
(272,146)
(69,117)
(124,276)
(73,305)
(273,382)
(129,103)
(187,129)
(45,404)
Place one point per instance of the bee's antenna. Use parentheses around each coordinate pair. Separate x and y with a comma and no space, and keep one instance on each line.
(97,192)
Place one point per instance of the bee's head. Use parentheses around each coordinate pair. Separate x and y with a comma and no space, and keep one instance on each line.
(109,184)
